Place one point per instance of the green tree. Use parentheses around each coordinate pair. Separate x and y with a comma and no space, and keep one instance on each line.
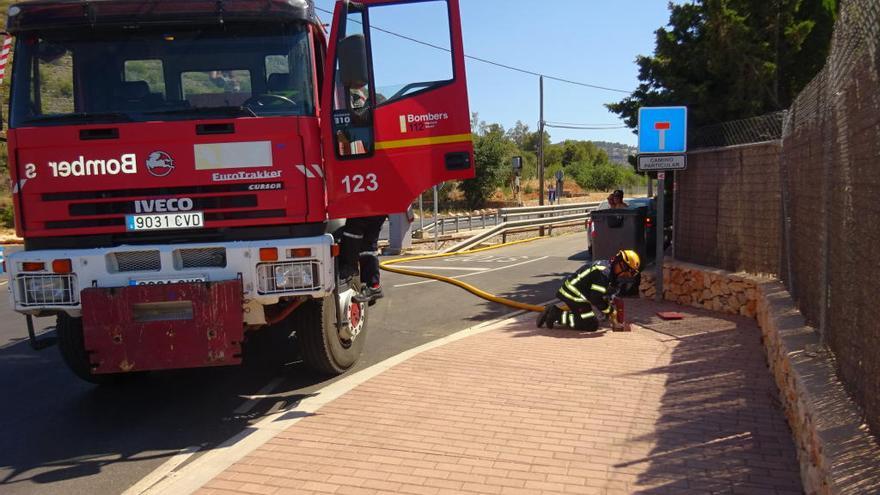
(602,177)
(553,155)
(492,152)
(530,143)
(582,151)
(519,133)
(732,59)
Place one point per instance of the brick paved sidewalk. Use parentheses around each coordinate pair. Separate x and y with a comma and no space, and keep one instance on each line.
(517,410)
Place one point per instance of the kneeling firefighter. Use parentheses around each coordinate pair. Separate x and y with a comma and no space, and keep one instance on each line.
(588,292)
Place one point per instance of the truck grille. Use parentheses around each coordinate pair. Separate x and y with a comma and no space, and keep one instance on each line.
(135,261)
(108,209)
(201,258)
(128,206)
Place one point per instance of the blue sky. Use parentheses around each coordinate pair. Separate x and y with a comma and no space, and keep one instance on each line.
(590,41)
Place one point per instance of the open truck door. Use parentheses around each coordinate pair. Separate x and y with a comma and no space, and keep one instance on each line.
(395,96)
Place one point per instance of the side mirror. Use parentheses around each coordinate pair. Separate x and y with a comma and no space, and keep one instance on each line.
(352,57)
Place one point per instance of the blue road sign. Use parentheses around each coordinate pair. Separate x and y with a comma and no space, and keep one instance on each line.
(662,129)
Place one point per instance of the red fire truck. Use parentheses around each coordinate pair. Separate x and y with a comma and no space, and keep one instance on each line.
(177,166)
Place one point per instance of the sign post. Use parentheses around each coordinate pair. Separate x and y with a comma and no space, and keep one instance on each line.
(662,147)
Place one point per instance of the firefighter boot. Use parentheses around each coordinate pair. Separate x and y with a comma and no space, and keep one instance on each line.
(549,316)
(369,294)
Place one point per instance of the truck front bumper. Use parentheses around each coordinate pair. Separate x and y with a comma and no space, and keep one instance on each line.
(301,267)
(159,327)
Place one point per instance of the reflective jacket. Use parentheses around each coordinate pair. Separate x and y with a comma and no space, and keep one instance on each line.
(592,284)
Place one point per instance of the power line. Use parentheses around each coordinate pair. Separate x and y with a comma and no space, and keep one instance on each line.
(490,62)
(585,128)
(570,125)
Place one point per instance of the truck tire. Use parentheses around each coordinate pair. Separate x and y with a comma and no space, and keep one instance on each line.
(70,342)
(323,350)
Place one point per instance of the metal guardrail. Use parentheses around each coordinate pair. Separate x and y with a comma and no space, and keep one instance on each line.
(584,210)
(507,214)
(484,219)
(458,223)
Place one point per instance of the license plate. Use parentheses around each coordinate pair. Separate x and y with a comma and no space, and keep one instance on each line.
(165,281)
(165,221)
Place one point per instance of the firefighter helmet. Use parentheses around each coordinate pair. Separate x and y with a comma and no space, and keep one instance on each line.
(629,258)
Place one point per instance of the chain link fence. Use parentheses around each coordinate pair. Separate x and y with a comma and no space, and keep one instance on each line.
(797,194)
(830,171)
(752,130)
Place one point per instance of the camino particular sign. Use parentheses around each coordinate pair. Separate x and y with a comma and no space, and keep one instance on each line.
(662,162)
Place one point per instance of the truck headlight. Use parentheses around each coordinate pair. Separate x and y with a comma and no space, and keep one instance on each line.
(288,276)
(293,276)
(44,290)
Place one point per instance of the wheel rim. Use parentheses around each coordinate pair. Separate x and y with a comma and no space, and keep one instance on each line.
(356,318)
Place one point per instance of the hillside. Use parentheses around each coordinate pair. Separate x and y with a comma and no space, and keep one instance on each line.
(617,152)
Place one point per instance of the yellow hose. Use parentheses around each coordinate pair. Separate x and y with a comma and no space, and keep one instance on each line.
(386,265)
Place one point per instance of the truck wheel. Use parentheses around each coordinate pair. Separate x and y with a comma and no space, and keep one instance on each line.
(70,342)
(323,348)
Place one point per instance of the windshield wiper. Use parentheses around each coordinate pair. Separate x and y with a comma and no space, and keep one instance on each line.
(229,111)
(83,117)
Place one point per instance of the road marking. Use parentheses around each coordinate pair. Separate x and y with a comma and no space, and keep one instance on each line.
(489,258)
(166,470)
(444,268)
(213,462)
(253,400)
(478,273)
(4,282)
(162,472)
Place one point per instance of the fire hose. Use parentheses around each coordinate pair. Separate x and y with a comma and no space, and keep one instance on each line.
(388,266)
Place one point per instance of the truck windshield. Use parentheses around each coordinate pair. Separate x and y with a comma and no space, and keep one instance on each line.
(134,77)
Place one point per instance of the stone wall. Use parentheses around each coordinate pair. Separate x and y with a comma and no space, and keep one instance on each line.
(836,451)
(708,288)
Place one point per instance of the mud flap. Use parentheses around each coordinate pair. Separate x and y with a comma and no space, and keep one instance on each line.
(157,327)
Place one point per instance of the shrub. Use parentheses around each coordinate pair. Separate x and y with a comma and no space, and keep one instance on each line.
(604,176)
(7,217)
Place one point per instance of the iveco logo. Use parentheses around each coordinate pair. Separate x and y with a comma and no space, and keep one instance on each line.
(160,163)
(162,205)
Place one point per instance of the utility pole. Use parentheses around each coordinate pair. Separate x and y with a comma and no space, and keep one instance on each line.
(436,218)
(541,150)
(778,43)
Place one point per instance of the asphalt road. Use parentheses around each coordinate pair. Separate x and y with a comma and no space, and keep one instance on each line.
(61,435)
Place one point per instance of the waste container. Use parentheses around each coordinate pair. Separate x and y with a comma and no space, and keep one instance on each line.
(618,229)
(400,232)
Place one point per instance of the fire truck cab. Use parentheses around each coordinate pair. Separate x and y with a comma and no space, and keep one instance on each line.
(177,166)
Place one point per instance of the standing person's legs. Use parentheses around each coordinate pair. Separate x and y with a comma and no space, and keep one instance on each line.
(369,252)
(350,246)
